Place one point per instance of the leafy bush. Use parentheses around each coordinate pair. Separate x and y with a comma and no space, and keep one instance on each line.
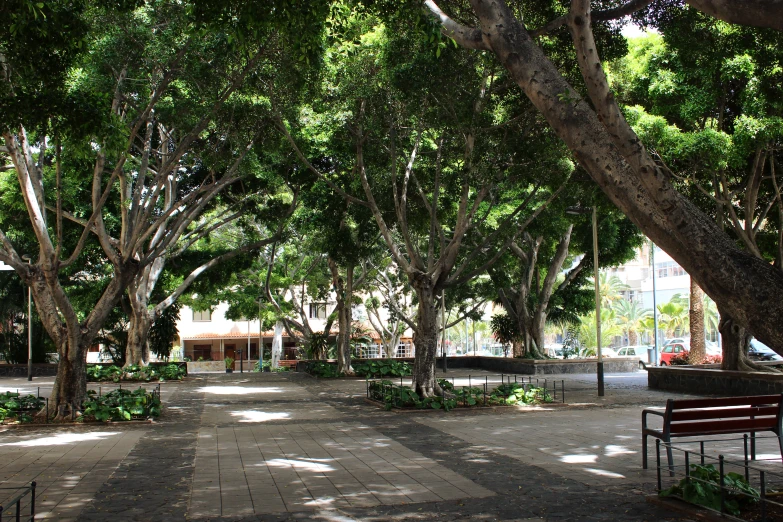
(121,405)
(323,370)
(518,393)
(681,359)
(229,363)
(21,408)
(382,369)
(100,373)
(97,373)
(393,395)
(703,488)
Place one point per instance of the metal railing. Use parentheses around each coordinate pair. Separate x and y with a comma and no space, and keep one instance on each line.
(484,383)
(16,501)
(724,481)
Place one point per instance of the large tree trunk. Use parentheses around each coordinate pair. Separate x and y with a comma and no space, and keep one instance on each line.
(537,325)
(735,340)
(518,348)
(747,288)
(698,352)
(137,351)
(70,384)
(344,293)
(425,340)
(277,344)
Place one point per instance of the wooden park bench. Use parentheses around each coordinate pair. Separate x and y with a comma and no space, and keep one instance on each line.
(721,416)
(290,363)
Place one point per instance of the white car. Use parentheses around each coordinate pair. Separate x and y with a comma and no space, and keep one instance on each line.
(638,351)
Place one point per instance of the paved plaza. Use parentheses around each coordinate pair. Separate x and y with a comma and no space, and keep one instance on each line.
(291,447)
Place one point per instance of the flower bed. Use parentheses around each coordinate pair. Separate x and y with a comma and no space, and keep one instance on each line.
(18,408)
(393,395)
(115,406)
(102,373)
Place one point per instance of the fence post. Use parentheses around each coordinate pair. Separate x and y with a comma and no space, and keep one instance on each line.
(687,467)
(722,485)
(32,500)
(701,447)
(562,389)
(658,462)
(745,442)
(763,496)
(485,394)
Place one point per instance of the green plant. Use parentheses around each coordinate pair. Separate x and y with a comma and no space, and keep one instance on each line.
(121,405)
(703,488)
(393,395)
(323,369)
(518,393)
(382,369)
(15,406)
(229,363)
(101,373)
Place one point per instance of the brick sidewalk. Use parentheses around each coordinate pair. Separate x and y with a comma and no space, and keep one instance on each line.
(290,447)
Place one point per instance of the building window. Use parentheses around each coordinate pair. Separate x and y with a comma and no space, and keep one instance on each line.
(670,269)
(202,352)
(317,310)
(203,316)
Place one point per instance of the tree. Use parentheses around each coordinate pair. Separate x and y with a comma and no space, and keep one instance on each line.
(444,188)
(744,286)
(716,126)
(150,85)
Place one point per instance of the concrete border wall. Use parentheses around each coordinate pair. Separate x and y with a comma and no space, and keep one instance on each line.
(525,366)
(707,381)
(20,370)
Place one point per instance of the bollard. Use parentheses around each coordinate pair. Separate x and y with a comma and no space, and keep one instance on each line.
(562,390)
(32,500)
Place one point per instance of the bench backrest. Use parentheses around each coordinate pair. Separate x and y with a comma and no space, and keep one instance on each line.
(723,415)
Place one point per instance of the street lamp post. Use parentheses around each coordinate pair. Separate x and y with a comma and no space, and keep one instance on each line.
(655,307)
(600,365)
(29,329)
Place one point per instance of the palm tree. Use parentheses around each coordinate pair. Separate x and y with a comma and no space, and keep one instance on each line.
(630,317)
(611,288)
(609,329)
(673,318)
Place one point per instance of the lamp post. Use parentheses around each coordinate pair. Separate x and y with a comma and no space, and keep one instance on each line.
(600,366)
(655,307)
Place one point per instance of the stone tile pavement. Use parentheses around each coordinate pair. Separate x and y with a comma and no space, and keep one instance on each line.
(290,447)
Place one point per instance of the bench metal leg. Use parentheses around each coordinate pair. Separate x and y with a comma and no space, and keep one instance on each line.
(780,443)
(669,457)
(644,451)
(752,445)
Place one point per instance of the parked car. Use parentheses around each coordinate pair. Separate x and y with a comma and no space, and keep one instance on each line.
(759,351)
(608,352)
(671,350)
(554,351)
(638,351)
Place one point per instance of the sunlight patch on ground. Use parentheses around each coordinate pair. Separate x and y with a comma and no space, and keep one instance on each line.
(237,390)
(613,450)
(604,473)
(259,416)
(303,464)
(62,438)
(579,459)
(334,516)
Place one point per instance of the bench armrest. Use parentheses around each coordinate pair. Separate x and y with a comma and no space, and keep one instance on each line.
(651,412)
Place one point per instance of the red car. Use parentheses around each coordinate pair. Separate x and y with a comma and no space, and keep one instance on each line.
(672,350)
